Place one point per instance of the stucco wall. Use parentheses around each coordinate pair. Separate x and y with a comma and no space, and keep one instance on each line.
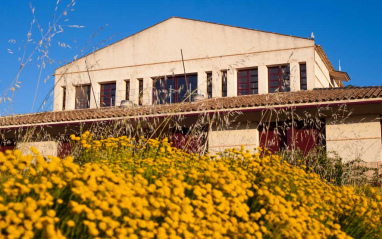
(321,73)
(355,137)
(206,48)
(45,148)
(162,43)
(199,67)
(234,137)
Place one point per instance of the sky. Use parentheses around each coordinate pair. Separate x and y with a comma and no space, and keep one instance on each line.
(350,31)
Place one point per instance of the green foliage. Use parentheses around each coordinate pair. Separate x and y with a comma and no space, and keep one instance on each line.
(329,166)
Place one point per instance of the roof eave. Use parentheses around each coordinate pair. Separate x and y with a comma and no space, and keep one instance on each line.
(204,112)
(340,75)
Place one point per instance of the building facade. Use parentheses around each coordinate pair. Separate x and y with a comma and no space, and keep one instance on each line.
(234,86)
(150,67)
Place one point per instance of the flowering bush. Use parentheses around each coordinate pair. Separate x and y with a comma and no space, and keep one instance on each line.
(119,188)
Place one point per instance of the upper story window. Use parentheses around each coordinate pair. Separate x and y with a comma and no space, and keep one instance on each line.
(279,79)
(63,98)
(108,94)
(247,82)
(140,90)
(303,81)
(209,85)
(127,96)
(174,89)
(82,96)
(224,83)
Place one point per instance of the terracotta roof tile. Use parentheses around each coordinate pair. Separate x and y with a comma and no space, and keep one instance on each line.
(238,102)
(377,93)
(370,93)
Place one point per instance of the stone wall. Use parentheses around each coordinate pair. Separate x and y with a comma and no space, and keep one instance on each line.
(45,148)
(355,137)
(233,137)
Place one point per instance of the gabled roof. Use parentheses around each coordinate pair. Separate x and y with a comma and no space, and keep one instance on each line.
(338,76)
(238,103)
(324,57)
(188,19)
(306,38)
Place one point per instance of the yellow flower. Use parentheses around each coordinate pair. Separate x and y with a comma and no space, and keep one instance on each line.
(51,213)
(116,212)
(122,186)
(102,226)
(70,223)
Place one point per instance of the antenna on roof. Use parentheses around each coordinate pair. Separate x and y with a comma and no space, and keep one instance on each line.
(339,65)
(312,35)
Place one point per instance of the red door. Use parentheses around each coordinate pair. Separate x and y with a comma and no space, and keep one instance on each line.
(4,148)
(304,139)
(64,149)
(270,139)
(187,142)
(190,140)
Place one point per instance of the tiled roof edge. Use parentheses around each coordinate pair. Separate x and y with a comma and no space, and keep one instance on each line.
(315,96)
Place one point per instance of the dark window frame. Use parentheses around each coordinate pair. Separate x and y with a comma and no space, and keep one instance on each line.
(281,80)
(63,97)
(303,77)
(127,87)
(82,102)
(224,83)
(108,92)
(140,91)
(176,98)
(209,84)
(245,83)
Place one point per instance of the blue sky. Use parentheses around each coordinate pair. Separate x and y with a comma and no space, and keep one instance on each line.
(348,30)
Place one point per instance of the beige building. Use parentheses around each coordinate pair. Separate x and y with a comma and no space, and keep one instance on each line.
(216,57)
(234,86)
